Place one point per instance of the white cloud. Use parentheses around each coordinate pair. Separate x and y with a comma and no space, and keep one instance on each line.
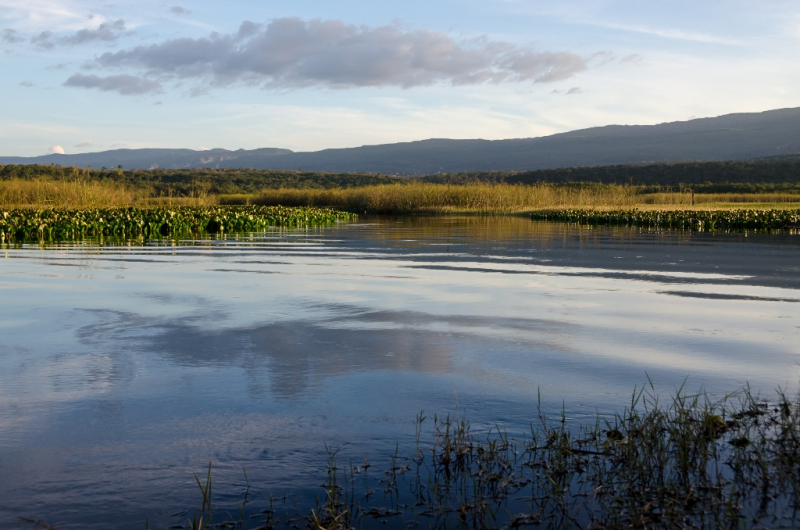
(126,85)
(669,33)
(10,36)
(56,150)
(292,53)
(33,15)
(105,32)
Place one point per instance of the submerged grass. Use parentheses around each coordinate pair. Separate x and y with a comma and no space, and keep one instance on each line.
(54,224)
(688,463)
(684,462)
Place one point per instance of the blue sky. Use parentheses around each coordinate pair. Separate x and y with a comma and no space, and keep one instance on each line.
(92,75)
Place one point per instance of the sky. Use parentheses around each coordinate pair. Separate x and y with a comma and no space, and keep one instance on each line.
(93,75)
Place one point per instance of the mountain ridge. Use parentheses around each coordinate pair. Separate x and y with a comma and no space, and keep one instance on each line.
(737,136)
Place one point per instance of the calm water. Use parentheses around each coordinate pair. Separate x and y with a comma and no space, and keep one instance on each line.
(124,370)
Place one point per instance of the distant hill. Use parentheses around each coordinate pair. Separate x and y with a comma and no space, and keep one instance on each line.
(729,137)
(146,158)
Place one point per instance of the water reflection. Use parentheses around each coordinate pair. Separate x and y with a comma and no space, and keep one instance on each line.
(298,354)
(125,369)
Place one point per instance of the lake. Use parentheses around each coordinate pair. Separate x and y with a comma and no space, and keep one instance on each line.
(126,368)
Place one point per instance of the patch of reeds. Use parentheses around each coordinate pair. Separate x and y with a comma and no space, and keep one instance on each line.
(428,198)
(699,220)
(433,198)
(405,197)
(81,193)
(76,194)
(55,224)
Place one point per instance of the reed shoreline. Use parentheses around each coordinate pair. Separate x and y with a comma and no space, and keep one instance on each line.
(412,197)
(48,210)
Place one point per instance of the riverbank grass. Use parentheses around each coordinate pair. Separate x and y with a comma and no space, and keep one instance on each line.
(406,197)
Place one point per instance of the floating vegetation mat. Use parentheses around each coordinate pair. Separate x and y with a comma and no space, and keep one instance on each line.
(52,224)
(684,463)
(744,219)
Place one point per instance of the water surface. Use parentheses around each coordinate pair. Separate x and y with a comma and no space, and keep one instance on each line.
(125,369)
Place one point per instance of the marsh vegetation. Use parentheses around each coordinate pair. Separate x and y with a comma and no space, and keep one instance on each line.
(498,193)
(428,198)
(53,224)
(734,219)
(681,462)
(294,338)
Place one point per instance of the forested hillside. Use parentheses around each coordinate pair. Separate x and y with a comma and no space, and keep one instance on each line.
(193,181)
(766,174)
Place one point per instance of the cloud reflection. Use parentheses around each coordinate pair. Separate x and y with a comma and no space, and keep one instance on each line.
(298,354)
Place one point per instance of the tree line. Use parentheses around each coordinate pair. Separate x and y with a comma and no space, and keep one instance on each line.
(765,175)
(748,176)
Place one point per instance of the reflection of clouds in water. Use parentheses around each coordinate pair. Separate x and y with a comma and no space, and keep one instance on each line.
(299,354)
(30,391)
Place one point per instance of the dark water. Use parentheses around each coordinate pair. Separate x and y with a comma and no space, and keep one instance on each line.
(125,370)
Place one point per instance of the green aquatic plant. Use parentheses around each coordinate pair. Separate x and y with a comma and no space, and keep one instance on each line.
(54,224)
(700,220)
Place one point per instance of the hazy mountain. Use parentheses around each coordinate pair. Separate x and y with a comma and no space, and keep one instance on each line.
(146,158)
(729,137)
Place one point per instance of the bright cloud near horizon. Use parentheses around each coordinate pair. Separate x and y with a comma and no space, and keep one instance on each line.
(86,75)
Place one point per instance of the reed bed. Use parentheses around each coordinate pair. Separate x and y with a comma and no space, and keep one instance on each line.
(427,198)
(76,194)
(81,194)
(408,197)
(430,198)
(681,462)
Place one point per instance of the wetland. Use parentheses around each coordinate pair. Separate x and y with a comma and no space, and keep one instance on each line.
(129,365)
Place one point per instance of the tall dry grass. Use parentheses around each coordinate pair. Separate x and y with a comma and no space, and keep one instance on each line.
(428,198)
(420,197)
(412,197)
(81,194)
(77,194)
